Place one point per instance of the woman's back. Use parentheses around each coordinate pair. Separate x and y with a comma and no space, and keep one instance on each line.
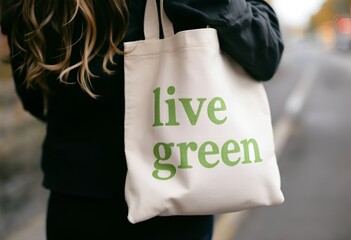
(83,152)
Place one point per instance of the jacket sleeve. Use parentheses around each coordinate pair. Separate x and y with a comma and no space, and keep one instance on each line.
(248,30)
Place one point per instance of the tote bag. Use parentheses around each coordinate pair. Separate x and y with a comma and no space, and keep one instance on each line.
(198,132)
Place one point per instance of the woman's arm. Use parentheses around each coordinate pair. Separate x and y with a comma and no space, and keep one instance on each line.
(248,30)
(31,98)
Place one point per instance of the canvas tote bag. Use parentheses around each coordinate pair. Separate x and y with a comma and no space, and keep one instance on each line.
(198,132)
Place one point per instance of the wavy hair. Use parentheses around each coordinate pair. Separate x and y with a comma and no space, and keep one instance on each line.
(37,16)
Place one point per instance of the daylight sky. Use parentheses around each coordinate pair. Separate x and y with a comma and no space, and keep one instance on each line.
(296,13)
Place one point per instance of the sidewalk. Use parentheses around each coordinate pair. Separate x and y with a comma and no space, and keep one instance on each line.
(33,230)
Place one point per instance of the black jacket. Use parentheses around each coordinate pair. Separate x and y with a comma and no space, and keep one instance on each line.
(83,151)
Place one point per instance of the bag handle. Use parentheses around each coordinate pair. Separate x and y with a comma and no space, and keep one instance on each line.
(151,21)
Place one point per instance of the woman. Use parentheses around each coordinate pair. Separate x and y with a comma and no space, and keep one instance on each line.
(67,61)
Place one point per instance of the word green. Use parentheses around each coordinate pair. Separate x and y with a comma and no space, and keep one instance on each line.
(230,154)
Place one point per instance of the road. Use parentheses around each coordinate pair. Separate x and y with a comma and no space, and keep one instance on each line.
(310,97)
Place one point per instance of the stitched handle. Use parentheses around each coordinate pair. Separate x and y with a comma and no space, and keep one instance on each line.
(151,21)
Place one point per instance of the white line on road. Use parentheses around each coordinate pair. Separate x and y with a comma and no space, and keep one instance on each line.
(284,125)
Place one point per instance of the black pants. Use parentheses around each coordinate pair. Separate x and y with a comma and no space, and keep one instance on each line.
(82,218)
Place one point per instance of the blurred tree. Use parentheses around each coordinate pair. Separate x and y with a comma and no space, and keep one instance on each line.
(329,11)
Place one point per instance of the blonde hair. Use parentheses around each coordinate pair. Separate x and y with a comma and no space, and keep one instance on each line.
(59,15)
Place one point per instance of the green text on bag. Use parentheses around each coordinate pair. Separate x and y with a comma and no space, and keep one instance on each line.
(209,154)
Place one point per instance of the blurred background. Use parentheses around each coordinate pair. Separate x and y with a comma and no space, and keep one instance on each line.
(310,98)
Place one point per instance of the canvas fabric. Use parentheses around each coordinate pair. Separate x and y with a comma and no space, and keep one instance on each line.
(198,130)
